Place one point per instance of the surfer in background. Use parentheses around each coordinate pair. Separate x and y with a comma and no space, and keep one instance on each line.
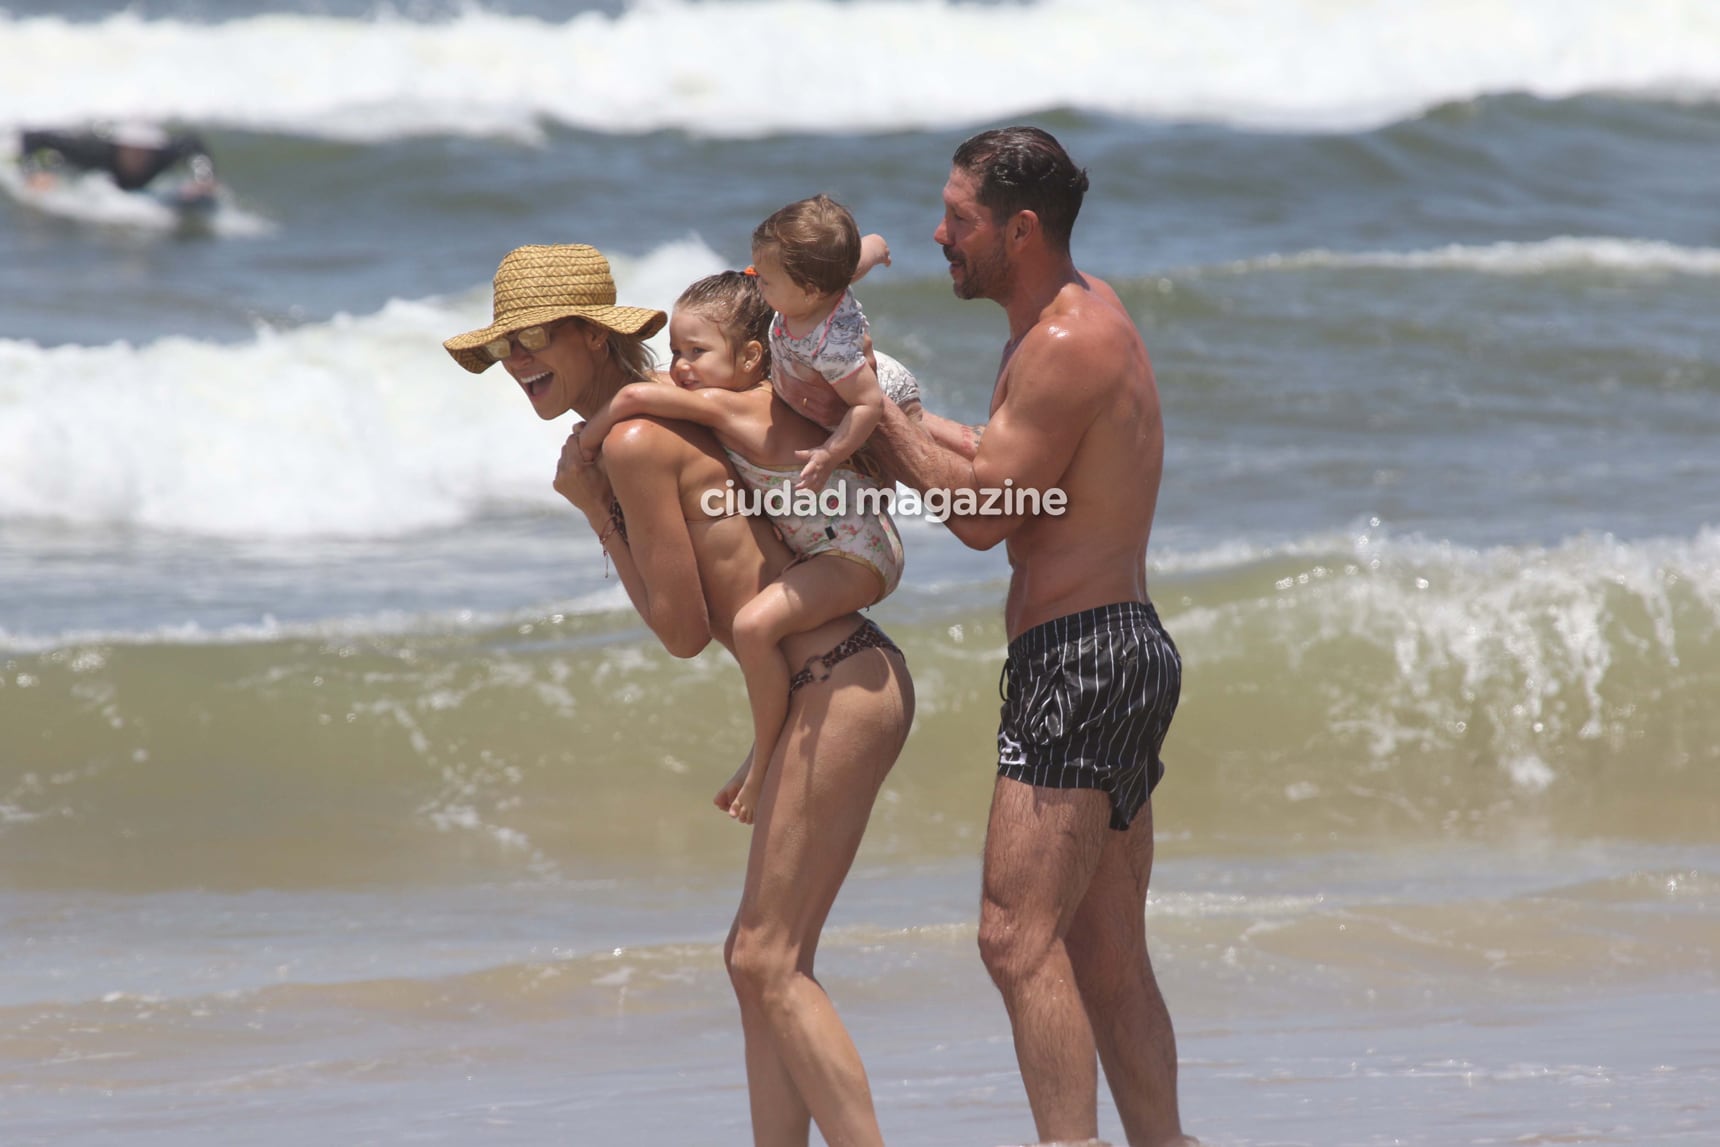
(138,157)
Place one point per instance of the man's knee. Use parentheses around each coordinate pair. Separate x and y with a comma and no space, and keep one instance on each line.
(1009,947)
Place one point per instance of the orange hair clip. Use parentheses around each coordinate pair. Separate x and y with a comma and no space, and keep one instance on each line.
(752,271)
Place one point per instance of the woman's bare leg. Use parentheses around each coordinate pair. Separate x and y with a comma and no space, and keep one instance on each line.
(857,724)
(779,1115)
(807,595)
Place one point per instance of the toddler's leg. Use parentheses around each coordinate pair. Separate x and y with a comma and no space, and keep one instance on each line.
(807,595)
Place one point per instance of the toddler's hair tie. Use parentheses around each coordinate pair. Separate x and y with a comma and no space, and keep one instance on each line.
(751,272)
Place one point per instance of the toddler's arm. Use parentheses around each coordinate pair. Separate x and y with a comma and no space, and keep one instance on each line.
(865,399)
(873,252)
(723,411)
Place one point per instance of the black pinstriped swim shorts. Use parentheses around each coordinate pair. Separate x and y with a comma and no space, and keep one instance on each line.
(1087,700)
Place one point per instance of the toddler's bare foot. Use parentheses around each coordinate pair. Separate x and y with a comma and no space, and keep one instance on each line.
(745,803)
(725,797)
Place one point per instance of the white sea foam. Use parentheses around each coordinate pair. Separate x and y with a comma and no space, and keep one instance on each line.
(1418,641)
(356,427)
(1563,254)
(707,68)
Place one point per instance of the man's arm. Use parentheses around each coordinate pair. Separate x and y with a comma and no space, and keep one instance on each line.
(952,435)
(1056,382)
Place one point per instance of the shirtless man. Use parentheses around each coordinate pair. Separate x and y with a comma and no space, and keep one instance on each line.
(1092,678)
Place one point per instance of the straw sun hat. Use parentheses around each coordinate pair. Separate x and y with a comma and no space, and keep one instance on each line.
(541,284)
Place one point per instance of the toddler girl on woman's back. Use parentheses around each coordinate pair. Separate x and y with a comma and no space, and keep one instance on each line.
(719,340)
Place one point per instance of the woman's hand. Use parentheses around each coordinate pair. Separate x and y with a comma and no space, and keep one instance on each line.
(583,483)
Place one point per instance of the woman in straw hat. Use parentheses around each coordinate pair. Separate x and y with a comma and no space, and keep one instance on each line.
(559,334)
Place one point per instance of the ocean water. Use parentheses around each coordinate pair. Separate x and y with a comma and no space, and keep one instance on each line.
(342,799)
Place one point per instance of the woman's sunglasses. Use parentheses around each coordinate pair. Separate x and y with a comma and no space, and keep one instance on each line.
(531,338)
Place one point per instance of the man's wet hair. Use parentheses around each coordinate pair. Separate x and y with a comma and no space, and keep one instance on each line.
(732,300)
(817,242)
(1025,169)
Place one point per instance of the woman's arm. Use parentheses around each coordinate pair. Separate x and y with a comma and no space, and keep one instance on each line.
(648,541)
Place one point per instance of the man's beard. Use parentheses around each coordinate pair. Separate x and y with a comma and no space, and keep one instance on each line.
(982,277)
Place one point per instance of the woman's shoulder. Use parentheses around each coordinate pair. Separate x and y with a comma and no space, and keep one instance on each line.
(665,448)
(657,439)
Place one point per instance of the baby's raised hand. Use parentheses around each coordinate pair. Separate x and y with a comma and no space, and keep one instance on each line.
(874,252)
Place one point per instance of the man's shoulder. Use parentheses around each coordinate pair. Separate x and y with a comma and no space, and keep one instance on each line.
(1086,336)
(1092,308)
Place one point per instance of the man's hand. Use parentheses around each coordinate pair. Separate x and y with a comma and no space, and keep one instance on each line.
(813,400)
(580,481)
